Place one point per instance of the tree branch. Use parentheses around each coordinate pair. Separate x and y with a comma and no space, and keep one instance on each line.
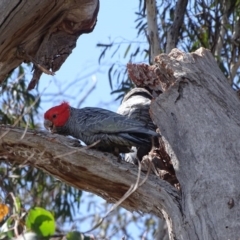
(235,59)
(90,170)
(227,7)
(173,33)
(42,32)
(153,36)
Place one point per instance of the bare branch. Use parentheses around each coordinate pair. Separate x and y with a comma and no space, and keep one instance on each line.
(235,60)
(226,5)
(153,36)
(173,33)
(90,170)
(234,66)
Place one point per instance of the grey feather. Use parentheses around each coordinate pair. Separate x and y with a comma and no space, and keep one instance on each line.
(114,130)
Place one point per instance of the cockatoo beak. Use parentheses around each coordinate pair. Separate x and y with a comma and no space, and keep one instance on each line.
(49,125)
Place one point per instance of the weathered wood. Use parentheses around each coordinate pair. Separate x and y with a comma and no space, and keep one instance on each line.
(198,116)
(89,170)
(173,32)
(43,32)
(152,29)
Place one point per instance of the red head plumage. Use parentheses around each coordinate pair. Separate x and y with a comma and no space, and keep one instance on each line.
(58,115)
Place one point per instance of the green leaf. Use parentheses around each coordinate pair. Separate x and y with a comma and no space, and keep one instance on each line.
(109,76)
(10,234)
(76,236)
(127,50)
(18,205)
(41,222)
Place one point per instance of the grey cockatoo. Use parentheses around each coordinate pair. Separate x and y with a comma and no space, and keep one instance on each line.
(90,125)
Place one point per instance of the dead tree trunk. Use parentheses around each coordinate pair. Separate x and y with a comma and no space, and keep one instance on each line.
(197,114)
(200,121)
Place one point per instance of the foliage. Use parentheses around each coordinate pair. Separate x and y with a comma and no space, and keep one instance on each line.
(33,187)
(40,221)
(211,24)
(36,223)
(18,106)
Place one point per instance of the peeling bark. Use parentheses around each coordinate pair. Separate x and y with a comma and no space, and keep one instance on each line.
(42,32)
(198,115)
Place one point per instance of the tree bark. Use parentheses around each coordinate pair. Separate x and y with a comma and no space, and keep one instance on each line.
(173,33)
(198,117)
(200,120)
(153,36)
(42,32)
(88,170)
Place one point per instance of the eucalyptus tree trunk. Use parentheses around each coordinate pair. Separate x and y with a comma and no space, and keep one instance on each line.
(198,117)
(200,120)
